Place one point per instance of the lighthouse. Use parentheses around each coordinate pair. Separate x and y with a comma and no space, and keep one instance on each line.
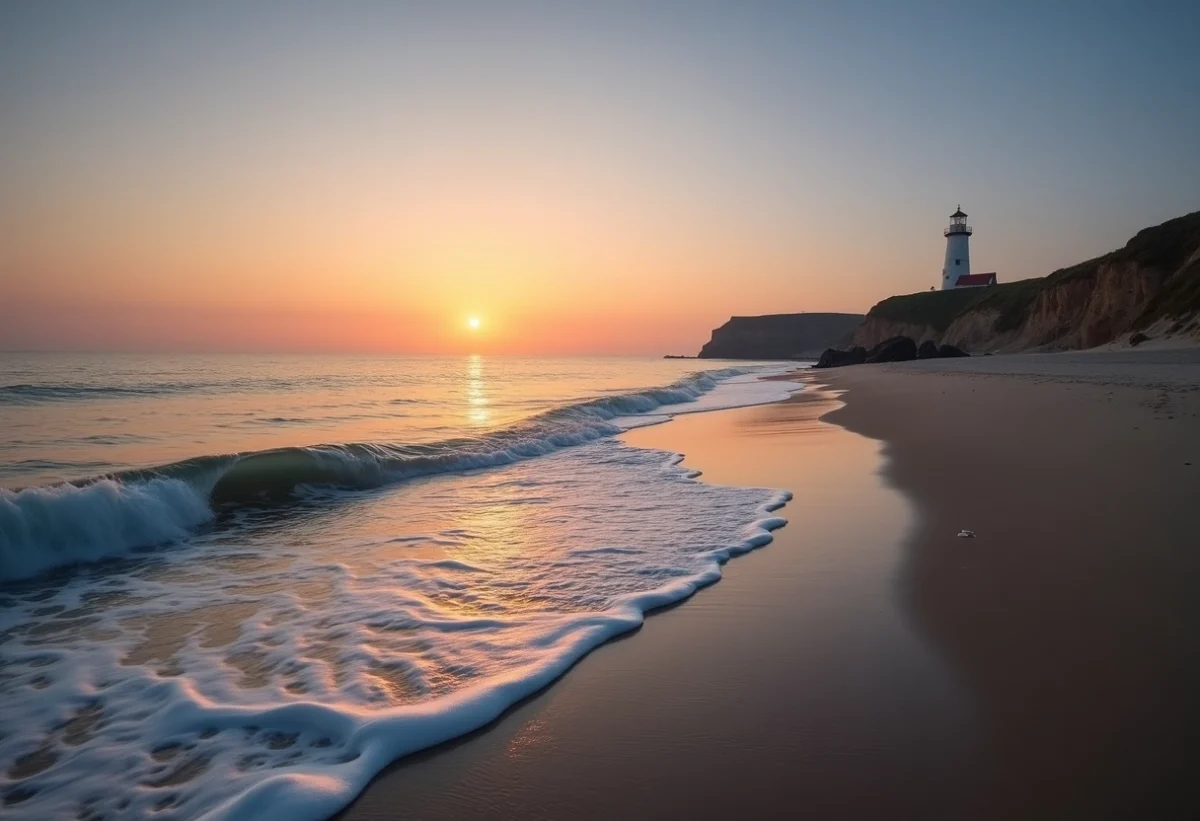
(958,251)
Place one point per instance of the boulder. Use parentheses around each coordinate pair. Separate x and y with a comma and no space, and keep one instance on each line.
(836,359)
(950,350)
(1137,339)
(928,350)
(896,349)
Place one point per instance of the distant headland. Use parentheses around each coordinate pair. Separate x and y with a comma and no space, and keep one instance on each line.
(779,336)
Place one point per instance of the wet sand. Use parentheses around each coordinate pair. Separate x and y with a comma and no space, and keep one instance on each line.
(793,686)
(870,663)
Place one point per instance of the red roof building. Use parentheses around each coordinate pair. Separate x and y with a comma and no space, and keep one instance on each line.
(975,280)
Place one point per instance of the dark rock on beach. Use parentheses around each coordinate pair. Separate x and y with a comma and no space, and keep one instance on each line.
(896,349)
(836,359)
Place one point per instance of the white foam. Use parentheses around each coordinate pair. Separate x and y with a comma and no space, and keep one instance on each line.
(741,391)
(271,666)
(45,527)
(260,667)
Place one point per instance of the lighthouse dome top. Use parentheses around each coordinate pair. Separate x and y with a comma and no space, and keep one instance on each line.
(958,224)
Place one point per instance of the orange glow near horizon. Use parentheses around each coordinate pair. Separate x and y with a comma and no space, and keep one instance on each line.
(265,228)
(596,294)
(593,180)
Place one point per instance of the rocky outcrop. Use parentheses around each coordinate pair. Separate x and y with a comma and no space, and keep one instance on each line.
(1151,285)
(836,359)
(896,349)
(780,336)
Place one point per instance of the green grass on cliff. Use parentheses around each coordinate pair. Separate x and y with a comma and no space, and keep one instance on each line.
(936,309)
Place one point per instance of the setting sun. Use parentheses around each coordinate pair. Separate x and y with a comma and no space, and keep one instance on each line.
(473,323)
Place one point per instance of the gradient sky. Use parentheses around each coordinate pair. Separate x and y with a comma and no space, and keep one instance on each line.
(585,177)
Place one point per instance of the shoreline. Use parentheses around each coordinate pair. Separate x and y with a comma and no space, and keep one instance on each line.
(733,699)
(870,662)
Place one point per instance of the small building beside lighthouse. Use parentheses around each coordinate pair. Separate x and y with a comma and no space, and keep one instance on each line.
(956,271)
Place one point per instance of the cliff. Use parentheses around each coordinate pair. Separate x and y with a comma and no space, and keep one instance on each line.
(779,336)
(1152,285)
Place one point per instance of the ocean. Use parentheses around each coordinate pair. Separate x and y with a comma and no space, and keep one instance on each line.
(239,586)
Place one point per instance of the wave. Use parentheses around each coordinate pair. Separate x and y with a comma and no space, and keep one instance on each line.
(29,394)
(43,528)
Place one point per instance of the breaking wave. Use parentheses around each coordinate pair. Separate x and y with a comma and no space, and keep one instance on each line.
(43,528)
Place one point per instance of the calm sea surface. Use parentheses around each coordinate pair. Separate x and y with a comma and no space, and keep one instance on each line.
(231,582)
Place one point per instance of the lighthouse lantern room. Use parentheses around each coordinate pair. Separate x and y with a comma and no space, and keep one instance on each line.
(958,250)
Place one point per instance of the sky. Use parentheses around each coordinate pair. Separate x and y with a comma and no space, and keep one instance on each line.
(579,177)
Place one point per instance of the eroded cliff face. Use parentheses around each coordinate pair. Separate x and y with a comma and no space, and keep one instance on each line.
(779,336)
(1087,312)
(1153,281)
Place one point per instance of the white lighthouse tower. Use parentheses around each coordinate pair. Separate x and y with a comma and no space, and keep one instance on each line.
(958,251)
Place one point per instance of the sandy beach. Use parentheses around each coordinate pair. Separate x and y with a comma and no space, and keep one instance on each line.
(1071,615)
(870,662)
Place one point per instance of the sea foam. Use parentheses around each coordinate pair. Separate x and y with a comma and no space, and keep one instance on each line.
(272,664)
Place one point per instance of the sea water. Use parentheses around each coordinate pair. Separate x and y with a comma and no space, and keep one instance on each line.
(237,587)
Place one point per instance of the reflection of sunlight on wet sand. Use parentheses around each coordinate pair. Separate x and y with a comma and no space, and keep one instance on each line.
(477,399)
(735,448)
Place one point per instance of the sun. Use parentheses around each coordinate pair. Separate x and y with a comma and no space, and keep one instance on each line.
(473,322)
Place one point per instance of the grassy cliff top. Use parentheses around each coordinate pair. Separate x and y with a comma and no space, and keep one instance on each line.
(937,309)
